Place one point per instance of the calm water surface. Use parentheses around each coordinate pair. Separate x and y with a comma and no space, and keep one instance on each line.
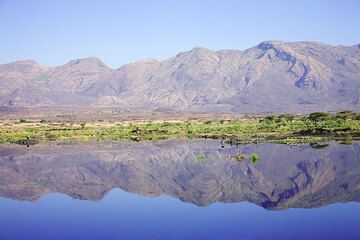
(163,190)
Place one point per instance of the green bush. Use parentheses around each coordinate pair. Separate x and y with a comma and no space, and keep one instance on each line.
(255,159)
(287,117)
(23,120)
(319,116)
(278,120)
(347,115)
(200,157)
(270,118)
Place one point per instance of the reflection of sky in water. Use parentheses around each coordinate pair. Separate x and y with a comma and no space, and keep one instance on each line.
(122,215)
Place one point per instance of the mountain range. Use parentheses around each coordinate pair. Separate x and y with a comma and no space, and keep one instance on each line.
(272,77)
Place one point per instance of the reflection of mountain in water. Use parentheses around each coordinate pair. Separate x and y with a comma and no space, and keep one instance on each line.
(287,176)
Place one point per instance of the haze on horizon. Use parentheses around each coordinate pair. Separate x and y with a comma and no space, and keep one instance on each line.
(55,32)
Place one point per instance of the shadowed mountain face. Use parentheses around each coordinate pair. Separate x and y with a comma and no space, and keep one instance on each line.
(274,76)
(286,176)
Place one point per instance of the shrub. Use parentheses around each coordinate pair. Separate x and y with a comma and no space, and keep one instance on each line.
(23,120)
(278,120)
(287,117)
(270,118)
(255,159)
(344,115)
(43,121)
(319,116)
(136,130)
(200,157)
(50,136)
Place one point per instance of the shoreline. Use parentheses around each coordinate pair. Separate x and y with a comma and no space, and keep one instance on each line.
(284,128)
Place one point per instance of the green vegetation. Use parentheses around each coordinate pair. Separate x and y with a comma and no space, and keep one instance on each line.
(286,117)
(255,159)
(200,157)
(286,128)
(319,116)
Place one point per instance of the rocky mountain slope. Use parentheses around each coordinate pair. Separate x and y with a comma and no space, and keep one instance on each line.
(274,76)
(287,176)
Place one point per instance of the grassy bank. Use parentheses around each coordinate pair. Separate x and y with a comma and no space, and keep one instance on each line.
(344,126)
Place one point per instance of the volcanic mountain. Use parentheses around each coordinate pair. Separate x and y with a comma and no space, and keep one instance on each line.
(272,77)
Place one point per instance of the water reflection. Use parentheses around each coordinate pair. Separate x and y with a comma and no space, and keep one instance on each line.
(297,176)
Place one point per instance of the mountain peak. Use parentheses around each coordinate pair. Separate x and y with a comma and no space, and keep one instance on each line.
(28,61)
(23,66)
(199,50)
(266,45)
(23,62)
(86,61)
(196,51)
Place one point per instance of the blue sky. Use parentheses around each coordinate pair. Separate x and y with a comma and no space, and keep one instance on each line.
(118,32)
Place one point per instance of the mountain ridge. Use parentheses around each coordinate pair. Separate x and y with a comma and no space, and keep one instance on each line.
(271,77)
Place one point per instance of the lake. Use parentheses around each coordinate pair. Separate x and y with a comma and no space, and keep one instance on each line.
(179,190)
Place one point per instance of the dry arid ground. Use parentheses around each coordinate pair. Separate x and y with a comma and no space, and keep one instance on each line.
(111,115)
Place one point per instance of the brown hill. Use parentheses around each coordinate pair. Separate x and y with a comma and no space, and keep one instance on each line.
(274,76)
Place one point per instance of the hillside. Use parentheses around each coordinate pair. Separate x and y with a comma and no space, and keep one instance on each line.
(272,77)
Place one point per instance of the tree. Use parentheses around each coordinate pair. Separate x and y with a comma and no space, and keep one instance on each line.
(22,120)
(319,116)
(344,115)
(270,118)
(287,117)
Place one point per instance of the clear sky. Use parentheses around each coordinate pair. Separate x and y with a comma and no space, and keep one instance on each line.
(54,32)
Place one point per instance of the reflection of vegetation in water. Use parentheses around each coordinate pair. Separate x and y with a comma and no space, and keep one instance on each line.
(317,145)
(200,157)
(240,156)
(285,128)
(255,159)
(347,142)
